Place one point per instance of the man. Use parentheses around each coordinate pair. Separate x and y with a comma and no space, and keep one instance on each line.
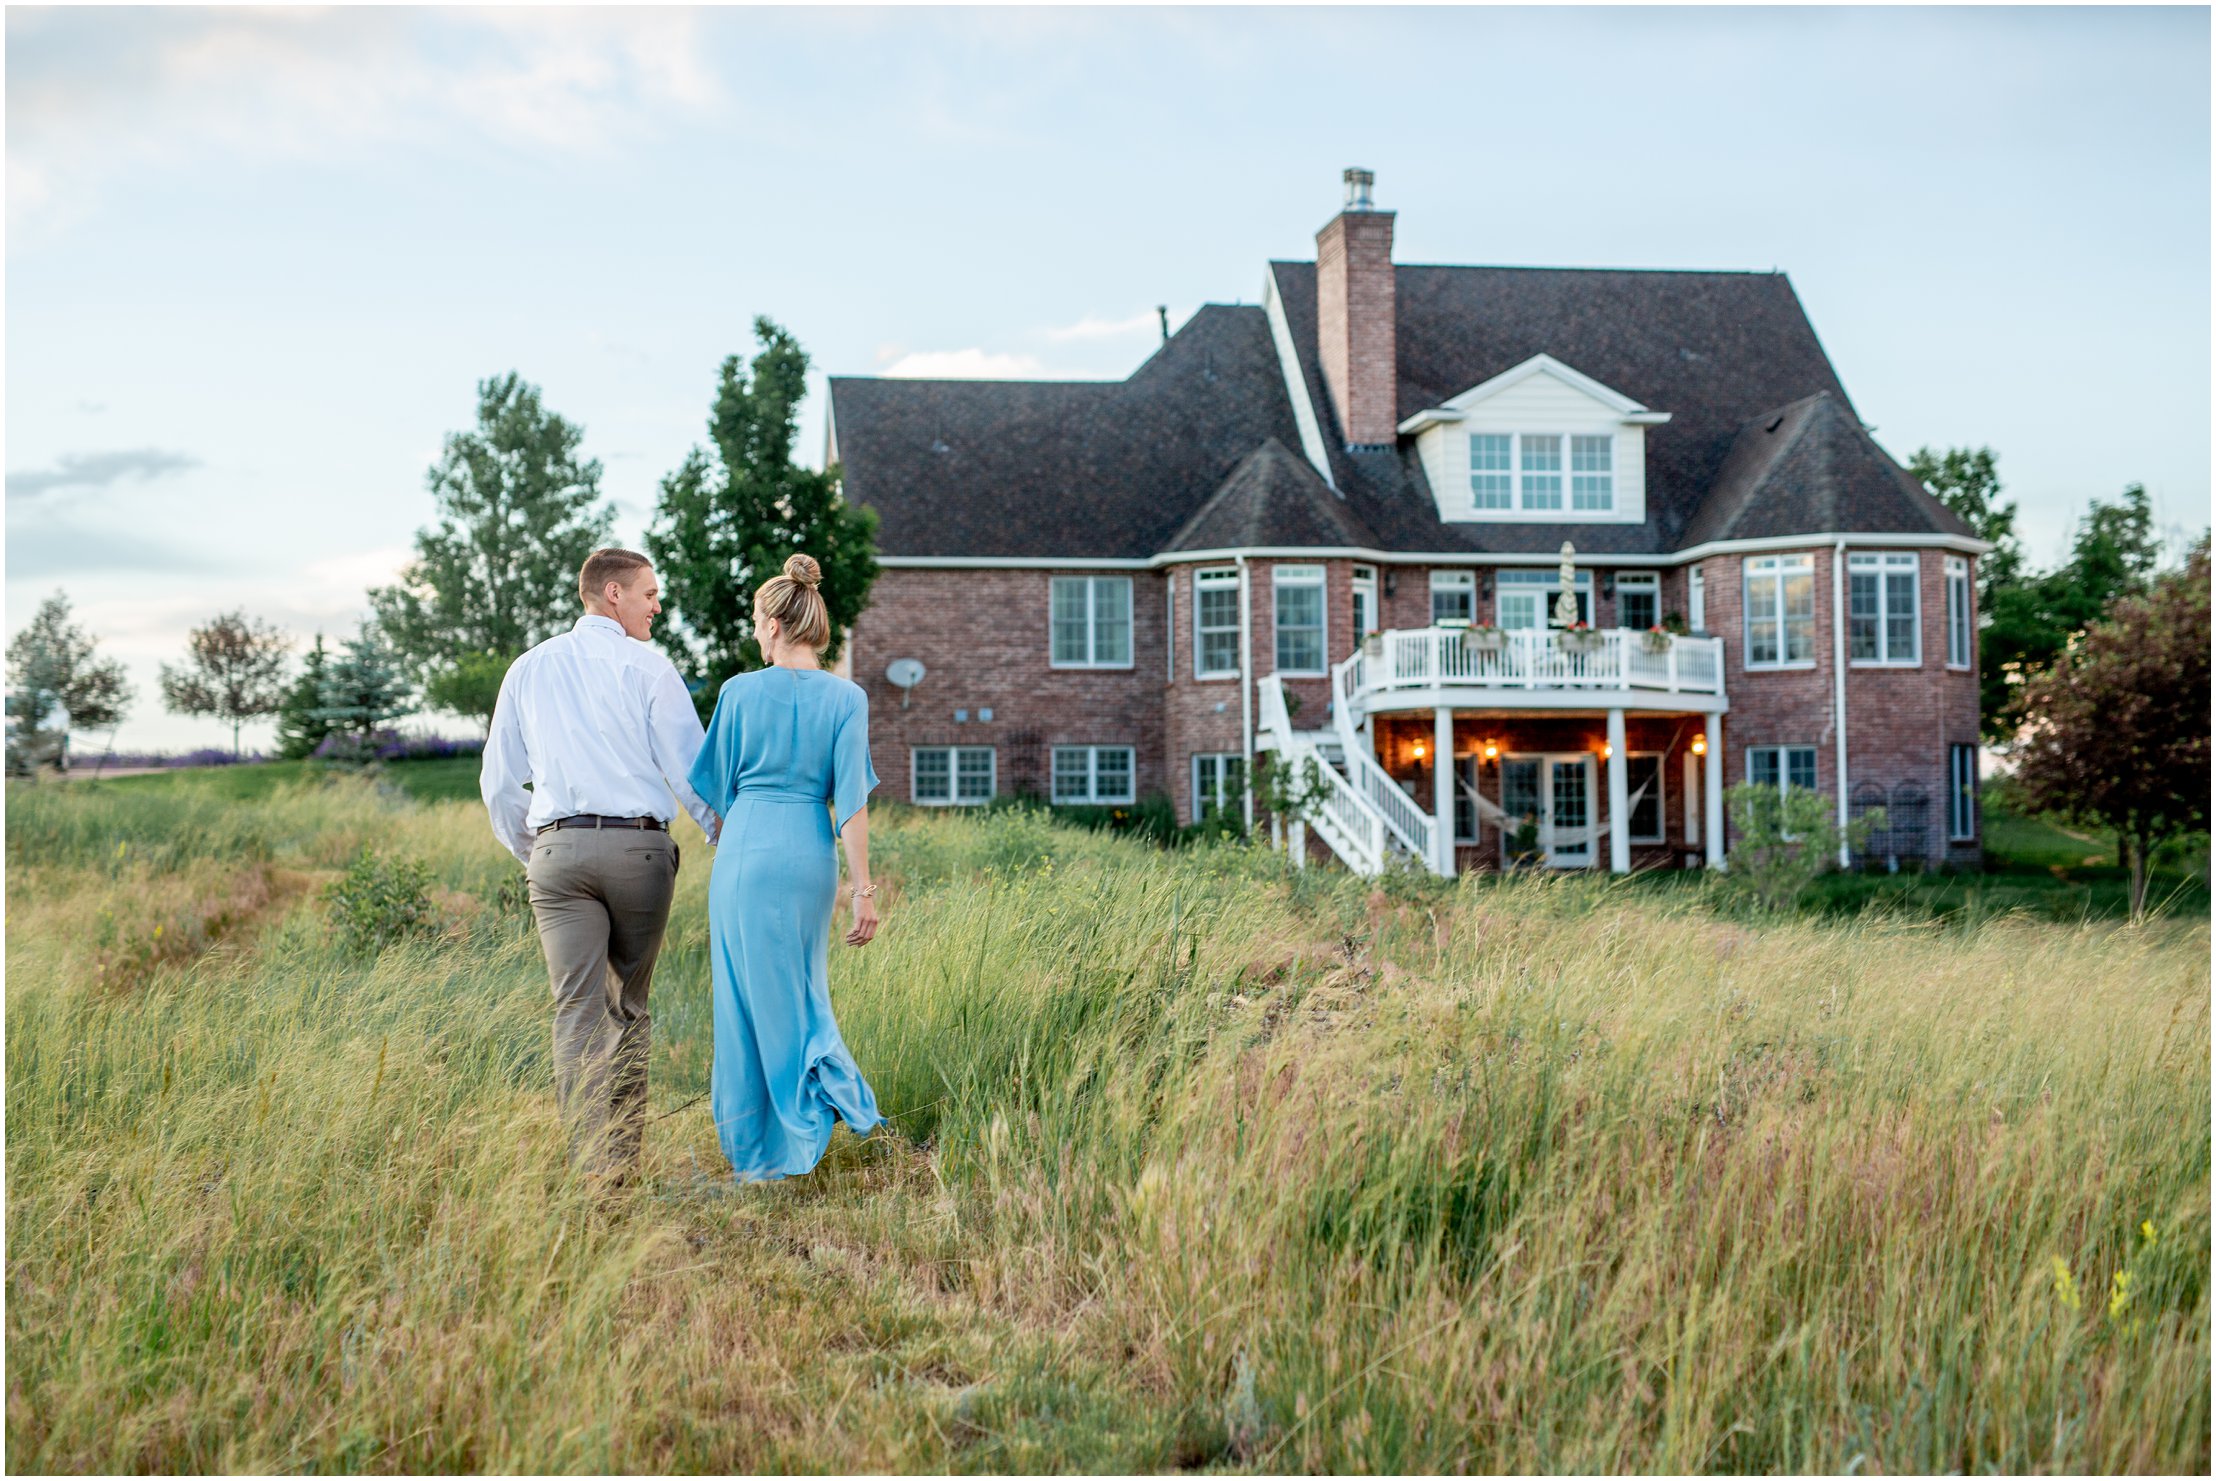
(601,727)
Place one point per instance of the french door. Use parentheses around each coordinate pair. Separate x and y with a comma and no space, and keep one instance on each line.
(1556,791)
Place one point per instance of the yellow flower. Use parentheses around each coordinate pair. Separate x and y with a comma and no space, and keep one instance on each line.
(2146,1230)
(2065,1289)
(2119,1294)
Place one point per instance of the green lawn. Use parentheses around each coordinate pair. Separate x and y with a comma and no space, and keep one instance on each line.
(451,780)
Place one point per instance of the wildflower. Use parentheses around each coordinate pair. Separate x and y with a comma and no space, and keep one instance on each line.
(2065,1289)
(2146,1231)
(2119,1293)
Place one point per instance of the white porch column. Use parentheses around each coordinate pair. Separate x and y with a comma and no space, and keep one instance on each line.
(1712,793)
(1619,797)
(1442,791)
(1300,844)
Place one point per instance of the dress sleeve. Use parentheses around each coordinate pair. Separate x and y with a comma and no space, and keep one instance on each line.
(711,775)
(852,776)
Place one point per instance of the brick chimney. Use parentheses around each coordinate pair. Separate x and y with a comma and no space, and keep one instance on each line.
(1354,316)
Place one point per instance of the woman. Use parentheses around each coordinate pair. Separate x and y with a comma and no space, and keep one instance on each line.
(785,739)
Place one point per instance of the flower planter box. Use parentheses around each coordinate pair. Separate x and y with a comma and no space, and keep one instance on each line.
(1655,640)
(1582,640)
(1483,640)
(1373,645)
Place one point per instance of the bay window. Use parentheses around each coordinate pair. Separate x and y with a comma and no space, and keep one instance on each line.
(1216,623)
(1958,612)
(1298,595)
(1780,610)
(1882,620)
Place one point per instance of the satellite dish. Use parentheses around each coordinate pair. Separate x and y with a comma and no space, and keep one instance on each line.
(904,674)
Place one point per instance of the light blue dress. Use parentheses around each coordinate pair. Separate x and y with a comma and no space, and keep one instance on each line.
(783,742)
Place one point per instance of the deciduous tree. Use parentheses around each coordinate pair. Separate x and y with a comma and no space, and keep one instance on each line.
(2117,731)
(518,511)
(234,671)
(54,671)
(727,521)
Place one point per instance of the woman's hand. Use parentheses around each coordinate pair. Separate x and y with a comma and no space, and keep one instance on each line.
(865,921)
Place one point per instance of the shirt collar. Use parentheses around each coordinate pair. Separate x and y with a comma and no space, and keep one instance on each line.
(595,619)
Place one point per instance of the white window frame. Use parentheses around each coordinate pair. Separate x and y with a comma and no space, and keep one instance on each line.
(954,797)
(1784,765)
(1772,570)
(1546,582)
(1300,578)
(1093,585)
(1476,778)
(1463,581)
(1093,795)
(1604,476)
(1958,612)
(1696,598)
(1225,797)
(1215,578)
(1649,582)
(1361,582)
(1507,495)
(1661,799)
(1894,571)
(1560,473)
(1691,791)
(1962,781)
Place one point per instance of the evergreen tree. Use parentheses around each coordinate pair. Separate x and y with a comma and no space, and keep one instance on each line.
(726,521)
(300,726)
(518,512)
(364,689)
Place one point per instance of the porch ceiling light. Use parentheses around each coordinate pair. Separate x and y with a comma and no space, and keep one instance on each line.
(1606,750)
(1700,745)
(1492,750)
(1419,750)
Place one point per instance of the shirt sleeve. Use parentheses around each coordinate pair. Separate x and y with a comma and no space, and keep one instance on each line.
(504,770)
(852,776)
(710,777)
(673,729)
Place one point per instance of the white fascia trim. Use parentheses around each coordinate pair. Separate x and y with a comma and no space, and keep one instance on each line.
(1433,417)
(1296,385)
(1650,560)
(1544,363)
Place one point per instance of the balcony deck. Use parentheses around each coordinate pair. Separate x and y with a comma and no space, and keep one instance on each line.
(1609,668)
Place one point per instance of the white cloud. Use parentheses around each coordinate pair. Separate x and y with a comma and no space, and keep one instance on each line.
(98,470)
(969,364)
(1094,327)
(96,94)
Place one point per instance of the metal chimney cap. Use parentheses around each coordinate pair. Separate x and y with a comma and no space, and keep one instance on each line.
(1358,183)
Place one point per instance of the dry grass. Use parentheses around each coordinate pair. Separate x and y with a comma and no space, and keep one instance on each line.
(1201,1165)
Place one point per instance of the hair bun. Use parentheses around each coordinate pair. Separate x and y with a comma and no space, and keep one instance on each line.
(803,569)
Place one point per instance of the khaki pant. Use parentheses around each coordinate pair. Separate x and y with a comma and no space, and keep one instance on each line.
(601,898)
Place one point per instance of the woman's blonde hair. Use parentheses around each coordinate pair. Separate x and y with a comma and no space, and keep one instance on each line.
(793,600)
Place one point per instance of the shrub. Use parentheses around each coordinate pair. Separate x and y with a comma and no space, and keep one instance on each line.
(389,745)
(380,901)
(1787,837)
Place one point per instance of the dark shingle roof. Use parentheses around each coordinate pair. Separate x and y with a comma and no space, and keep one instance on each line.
(1045,468)
(1273,498)
(1193,450)
(1811,466)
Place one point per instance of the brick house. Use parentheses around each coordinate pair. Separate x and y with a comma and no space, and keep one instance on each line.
(1602,542)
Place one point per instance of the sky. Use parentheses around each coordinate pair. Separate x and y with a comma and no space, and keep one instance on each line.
(258,260)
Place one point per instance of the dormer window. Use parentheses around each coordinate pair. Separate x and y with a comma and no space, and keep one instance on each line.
(1592,473)
(1523,471)
(1540,441)
(1492,470)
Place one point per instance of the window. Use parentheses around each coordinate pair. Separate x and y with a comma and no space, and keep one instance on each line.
(1592,476)
(1092,774)
(1490,471)
(1782,766)
(1781,610)
(1092,621)
(1644,770)
(1219,783)
(1961,792)
(1881,609)
(1638,600)
(1691,789)
(1696,599)
(1465,798)
(1527,597)
(1298,591)
(1216,623)
(960,775)
(1453,598)
(1363,585)
(1542,470)
(1958,612)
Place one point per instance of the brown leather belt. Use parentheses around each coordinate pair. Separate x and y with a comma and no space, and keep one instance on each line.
(598,820)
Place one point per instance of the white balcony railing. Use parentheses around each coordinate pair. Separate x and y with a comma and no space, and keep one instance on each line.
(1608,658)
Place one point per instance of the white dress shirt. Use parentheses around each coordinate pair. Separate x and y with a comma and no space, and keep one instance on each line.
(596,722)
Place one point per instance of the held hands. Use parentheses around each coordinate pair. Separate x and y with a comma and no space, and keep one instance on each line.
(865,916)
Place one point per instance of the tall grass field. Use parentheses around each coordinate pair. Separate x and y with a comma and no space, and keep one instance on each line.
(1201,1163)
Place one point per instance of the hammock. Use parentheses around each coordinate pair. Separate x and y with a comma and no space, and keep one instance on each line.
(1551,839)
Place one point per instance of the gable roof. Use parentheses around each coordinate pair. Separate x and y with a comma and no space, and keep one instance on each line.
(1273,498)
(1108,469)
(1811,466)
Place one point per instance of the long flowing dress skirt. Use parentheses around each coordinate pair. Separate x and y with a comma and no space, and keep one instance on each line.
(782,1076)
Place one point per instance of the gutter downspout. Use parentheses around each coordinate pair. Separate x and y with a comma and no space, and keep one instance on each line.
(1246,695)
(1839,690)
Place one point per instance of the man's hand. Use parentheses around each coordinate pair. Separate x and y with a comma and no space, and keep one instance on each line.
(865,921)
